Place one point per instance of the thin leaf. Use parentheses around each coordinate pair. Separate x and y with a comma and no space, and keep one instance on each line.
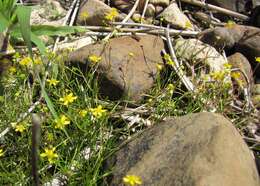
(24,14)
(47,99)
(49,103)
(38,42)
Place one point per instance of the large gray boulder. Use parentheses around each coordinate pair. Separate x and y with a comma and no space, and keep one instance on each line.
(202,149)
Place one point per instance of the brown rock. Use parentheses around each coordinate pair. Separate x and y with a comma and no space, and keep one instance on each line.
(256,89)
(126,5)
(93,12)
(235,5)
(238,38)
(175,17)
(194,150)
(127,67)
(256,101)
(238,60)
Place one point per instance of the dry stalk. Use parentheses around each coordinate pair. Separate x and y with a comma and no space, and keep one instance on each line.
(171,31)
(216,8)
(176,66)
(67,17)
(144,10)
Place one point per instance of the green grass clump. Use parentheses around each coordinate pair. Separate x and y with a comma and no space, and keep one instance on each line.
(79,129)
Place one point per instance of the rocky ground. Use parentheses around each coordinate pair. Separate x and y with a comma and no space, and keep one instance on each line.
(179,81)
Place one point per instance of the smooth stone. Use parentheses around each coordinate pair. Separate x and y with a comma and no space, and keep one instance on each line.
(175,17)
(238,60)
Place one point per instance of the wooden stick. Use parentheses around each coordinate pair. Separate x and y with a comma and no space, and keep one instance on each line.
(171,31)
(216,8)
(148,30)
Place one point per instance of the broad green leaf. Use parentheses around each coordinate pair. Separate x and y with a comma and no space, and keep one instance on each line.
(4,23)
(49,30)
(24,14)
(7,8)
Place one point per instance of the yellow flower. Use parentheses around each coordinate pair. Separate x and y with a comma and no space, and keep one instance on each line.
(37,61)
(131,54)
(230,24)
(235,75)
(159,67)
(168,59)
(83,113)
(84,15)
(98,112)
(62,122)
(68,99)
(19,127)
(25,61)
(188,25)
(94,59)
(53,82)
(257,59)
(1,152)
(218,75)
(12,70)
(111,15)
(171,88)
(227,66)
(132,180)
(49,154)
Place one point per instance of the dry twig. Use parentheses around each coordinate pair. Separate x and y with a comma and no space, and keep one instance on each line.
(176,66)
(216,8)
